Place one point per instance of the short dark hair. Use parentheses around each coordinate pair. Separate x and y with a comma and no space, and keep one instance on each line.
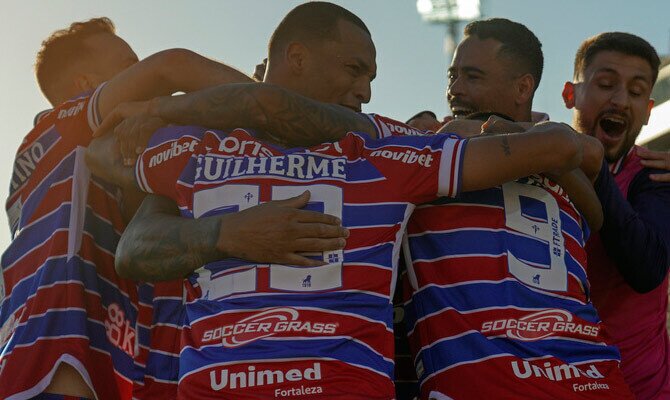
(64,48)
(620,42)
(420,114)
(518,43)
(313,21)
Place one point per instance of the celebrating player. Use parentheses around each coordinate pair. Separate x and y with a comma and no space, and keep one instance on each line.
(629,259)
(498,276)
(67,319)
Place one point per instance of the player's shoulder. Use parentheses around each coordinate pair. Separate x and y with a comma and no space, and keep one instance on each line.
(386,127)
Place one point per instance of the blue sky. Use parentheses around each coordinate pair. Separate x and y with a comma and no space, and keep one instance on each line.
(410,57)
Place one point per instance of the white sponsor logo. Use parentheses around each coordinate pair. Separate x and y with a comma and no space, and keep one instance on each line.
(554,372)
(403,129)
(589,386)
(74,110)
(407,156)
(233,145)
(253,378)
(119,331)
(539,325)
(298,391)
(264,324)
(175,150)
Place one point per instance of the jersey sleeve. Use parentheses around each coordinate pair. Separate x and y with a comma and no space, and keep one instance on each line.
(160,165)
(75,119)
(387,127)
(420,168)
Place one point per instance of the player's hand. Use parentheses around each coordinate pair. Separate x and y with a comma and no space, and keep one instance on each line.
(104,160)
(657,160)
(462,127)
(495,125)
(133,134)
(132,125)
(276,231)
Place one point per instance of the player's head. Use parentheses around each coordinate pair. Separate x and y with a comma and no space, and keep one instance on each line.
(324,52)
(613,77)
(79,58)
(425,121)
(496,67)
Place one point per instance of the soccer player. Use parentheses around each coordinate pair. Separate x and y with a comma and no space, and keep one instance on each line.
(344,67)
(67,321)
(496,67)
(497,275)
(246,323)
(628,261)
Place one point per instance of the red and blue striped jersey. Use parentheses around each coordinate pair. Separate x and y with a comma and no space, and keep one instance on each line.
(161,306)
(500,302)
(159,331)
(62,300)
(254,330)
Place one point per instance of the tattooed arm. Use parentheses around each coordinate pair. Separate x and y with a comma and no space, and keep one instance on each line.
(492,160)
(290,118)
(147,248)
(159,245)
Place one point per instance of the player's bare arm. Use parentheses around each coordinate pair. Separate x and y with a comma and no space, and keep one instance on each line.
(593,154)
(158,244)
(575,182)
(583,196)
(164,73)
(160,74)
(492,160)
(292,119)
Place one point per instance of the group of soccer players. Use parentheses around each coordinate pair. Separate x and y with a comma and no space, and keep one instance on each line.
(246,239)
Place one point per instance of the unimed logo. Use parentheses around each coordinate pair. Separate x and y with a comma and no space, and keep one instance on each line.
(266,323)
(554,372)
(253,378)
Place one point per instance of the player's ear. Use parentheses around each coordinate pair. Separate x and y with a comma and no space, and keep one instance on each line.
(650,105)
(569,94)
(297,57)
(84,82)
(525,86)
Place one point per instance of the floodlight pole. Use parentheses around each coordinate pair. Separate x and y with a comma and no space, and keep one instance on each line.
(450,13)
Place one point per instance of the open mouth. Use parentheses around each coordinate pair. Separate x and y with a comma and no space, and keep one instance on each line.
(459,111)
(613,126)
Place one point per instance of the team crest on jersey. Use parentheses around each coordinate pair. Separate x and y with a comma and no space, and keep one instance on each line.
(264,324)
(539,325)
